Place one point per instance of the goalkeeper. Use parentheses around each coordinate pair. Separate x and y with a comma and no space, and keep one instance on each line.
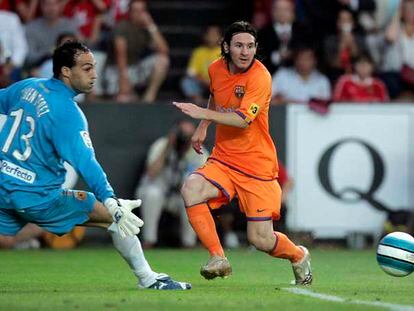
(41,126)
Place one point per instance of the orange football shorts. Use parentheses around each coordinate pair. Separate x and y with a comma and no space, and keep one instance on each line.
(258,199)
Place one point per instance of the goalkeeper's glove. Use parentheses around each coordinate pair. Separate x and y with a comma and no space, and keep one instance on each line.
(121,210)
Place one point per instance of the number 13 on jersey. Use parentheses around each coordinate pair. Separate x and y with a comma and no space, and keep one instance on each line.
(17,116)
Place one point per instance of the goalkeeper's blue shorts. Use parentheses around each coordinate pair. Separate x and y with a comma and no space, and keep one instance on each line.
(58,216)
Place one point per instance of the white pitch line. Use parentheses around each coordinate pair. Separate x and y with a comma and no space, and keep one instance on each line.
(386,305)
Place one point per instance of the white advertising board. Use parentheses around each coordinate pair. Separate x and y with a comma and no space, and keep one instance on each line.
(347,165)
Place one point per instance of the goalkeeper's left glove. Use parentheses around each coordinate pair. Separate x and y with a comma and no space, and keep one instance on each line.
(121,210)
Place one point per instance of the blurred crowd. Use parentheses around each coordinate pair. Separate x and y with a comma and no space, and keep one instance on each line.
(330,50)
(339,50)
(129,49)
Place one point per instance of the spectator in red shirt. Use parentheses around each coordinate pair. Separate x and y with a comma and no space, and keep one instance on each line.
(361,86)
(26,9)
(5,5)
(88,16)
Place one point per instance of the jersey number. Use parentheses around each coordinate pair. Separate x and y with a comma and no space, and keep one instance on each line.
(18,114)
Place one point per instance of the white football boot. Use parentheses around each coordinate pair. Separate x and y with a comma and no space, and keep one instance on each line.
(216,266)
(302,269)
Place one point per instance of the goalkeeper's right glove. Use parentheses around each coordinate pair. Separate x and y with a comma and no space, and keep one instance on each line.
(121,210)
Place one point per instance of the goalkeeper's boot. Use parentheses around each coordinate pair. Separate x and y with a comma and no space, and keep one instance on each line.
(165,282)
(216,266)
(302,269)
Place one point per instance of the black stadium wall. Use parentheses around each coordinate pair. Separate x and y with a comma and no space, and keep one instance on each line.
(122,134)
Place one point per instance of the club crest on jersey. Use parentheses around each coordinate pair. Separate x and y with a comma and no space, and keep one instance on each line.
(80,195)
(239,91)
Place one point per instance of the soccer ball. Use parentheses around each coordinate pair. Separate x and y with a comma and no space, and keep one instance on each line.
(395,254)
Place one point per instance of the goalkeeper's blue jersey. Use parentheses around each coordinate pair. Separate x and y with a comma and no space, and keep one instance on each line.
(41,126)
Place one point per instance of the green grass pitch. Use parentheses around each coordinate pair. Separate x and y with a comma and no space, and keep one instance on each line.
(98,279)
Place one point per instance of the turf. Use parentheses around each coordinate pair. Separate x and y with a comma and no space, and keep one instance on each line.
(98,279)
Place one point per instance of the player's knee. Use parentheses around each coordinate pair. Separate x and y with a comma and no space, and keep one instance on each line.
(196,189)
(192,191)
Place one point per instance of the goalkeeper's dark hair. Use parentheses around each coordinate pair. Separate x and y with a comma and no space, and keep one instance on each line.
(65,56)
(233,29)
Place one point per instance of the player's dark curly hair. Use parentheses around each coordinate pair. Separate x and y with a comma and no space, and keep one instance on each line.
(235,28)
(65,56)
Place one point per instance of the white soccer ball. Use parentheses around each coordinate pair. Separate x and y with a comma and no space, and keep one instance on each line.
(395,254)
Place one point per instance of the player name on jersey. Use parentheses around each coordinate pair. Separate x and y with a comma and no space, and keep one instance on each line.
(34,97)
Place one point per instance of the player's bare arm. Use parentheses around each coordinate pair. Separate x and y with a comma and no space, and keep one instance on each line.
(208,115)
(200,134)
(225,118)
(211,104)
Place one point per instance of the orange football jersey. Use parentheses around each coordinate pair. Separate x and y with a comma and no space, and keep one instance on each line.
(250,150)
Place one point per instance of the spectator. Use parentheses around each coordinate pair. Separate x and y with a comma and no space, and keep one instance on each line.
(139,56)
(13,47)
(119,10)
(5,5)
(374,25)
(360,86)
(262,13)
(340,48)
(277,39)
(43,32)
(195,84)
(170,159)
(322,14)
(88,16)
(5,72)
(27,9)
(302,82)
(398,65)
